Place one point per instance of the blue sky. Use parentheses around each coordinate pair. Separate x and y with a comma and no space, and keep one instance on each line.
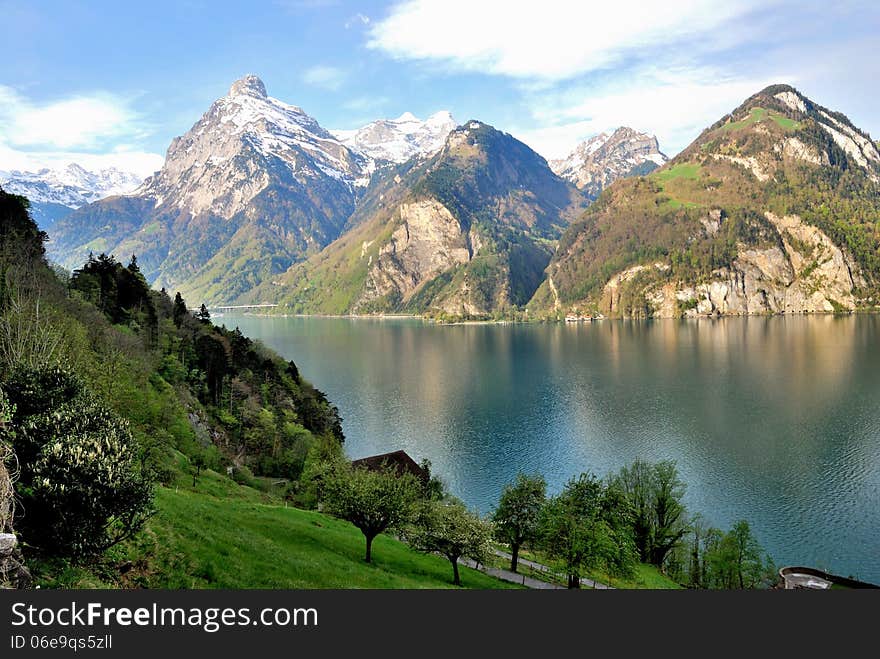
(113,82)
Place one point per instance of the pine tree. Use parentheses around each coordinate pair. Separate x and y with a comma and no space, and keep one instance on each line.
(180,311)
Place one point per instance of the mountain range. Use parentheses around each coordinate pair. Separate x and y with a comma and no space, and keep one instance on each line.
(771,209)
(466,232)
(257,186)
(53,193)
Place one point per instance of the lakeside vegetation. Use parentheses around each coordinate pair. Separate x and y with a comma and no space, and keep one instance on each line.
(151,448)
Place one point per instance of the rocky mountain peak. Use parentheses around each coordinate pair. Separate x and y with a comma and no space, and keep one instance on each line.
(250,85)
(599,161)
(780,124)
(398,140)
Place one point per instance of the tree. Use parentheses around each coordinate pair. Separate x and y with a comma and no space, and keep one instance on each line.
(519,513)
(179,311)
(7,493)
(655,493)
(214,355)
(449,528)
(573,530)
(79,482)
(198,462)
(744,557)
(203,315)
(372,500)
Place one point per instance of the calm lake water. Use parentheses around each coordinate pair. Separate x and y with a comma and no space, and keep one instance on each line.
(775,420)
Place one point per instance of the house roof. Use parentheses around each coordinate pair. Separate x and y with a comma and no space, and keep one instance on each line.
(399,461)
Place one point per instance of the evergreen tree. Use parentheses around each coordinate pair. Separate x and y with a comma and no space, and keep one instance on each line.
(203,315)
(180,311)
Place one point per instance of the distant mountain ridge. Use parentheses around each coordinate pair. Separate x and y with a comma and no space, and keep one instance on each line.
(599,161)
(398,140)
(55,192)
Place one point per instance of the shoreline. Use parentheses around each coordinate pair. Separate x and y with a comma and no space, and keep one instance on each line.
(563,321)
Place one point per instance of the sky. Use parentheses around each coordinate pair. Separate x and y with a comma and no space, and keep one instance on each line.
(109,83)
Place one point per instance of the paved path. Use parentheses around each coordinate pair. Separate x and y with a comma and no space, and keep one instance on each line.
(589,583)
(512,577)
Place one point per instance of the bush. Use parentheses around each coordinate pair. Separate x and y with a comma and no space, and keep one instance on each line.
(80,485)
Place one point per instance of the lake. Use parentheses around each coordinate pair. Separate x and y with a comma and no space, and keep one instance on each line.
(773,420)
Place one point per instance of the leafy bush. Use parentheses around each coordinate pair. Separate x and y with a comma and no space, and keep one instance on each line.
(79,485)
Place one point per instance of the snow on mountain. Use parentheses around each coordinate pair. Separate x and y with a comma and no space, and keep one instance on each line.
(398,140)
(602,159)
(243,143)
(71,186)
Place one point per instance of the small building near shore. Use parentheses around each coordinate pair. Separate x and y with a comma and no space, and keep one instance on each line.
(398,461)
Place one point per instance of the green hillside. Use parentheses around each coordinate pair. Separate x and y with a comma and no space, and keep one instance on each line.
(223,535)
(465,233)
(775,205)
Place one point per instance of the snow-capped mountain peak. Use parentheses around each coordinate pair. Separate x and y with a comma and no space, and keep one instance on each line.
(602,159)
(398,140)
(244,142)
(72,186)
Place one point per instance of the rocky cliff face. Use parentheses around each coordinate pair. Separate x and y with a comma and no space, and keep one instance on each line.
(599,161)
(768,211)
(805,273)
(466,232)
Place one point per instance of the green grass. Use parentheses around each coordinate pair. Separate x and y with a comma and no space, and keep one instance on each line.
(674,204)
(645,577)
(758,115)
(686,170)
(152,228)
(220,535)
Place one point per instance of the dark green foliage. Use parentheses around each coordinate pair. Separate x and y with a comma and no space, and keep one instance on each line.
(121,293)
(203,315)
(180,311)
(718,560)
(20,239)
(79,485)
(655,493)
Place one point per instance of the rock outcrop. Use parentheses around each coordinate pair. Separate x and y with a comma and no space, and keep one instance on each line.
(807,274)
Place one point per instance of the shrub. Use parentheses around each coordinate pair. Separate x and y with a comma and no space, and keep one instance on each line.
(80,484)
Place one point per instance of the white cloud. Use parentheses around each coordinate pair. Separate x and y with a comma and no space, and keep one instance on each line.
(81,121)
(552,39)
(358,20)
(96,130)
(326,77)
(673,105)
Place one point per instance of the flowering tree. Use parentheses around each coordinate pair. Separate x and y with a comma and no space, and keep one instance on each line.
(447,527)
(373,501)
(79,481)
